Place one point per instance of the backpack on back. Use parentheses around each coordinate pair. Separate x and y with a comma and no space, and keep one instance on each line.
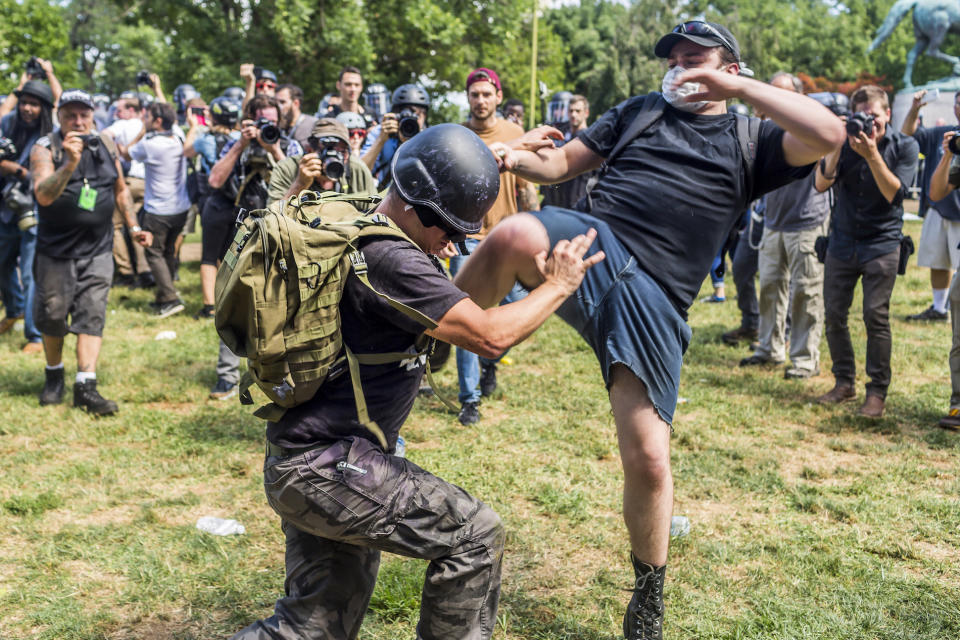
(278,292)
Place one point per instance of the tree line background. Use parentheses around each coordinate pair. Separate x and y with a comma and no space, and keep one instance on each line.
(599,48)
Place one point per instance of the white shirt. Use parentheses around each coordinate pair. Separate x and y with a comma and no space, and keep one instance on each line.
(165,186)
(124,131)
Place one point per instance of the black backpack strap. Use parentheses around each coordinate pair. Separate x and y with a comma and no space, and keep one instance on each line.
(650,112)
(748,135)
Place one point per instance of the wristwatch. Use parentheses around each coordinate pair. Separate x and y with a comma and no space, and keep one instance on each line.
(135,229)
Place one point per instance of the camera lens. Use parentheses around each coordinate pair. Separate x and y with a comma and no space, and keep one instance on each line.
(91,142)
(954,145)
(409,126)
(333,166)
(854,127)
(269,132)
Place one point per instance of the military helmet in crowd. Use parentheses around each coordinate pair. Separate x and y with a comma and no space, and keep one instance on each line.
(352,120)
(558,109)
(234,93)
(410,94)
(449,171)
(376,100)
(225,111)
(182,95)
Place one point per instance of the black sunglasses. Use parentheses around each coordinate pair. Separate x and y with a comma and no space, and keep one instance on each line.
(700,28)
(429,218)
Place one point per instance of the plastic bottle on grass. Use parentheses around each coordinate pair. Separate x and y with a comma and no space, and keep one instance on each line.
(679,526)
(220,526)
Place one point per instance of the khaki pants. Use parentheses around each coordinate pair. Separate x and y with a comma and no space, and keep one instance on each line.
(121,253)
(788,266)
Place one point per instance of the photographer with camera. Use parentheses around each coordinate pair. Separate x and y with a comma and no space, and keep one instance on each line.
(165,200)
(36,70)
(329,166)
(407,117)
(871,171)
(77,181)
(32,120)
(152,82)
(943,186)
(243,175)
(940,234)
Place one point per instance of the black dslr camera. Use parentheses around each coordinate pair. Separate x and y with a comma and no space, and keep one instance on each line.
(34,70)
(838,103)
(409,124)
(954,144)
(269,131)
(860,122)
(8,150)
(17,195)
(143,79)
(91,141)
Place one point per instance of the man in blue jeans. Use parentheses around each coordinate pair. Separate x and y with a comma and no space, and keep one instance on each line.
(478,376)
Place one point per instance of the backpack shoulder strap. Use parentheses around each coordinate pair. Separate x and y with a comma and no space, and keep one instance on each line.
(56,147)
(110,144)
(748,135)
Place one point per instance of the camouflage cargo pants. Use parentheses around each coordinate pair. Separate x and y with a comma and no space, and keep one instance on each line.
(344,504)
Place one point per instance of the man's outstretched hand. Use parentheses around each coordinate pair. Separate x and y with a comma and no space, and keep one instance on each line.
(566,267)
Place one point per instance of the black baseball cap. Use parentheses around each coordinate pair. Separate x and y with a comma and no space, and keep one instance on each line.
(706,34)
(39,90)
(76,96)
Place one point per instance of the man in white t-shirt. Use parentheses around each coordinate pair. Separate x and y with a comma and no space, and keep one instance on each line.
(165,201)
(130,270)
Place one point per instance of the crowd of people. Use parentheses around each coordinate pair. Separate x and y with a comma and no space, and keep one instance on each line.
(101,193)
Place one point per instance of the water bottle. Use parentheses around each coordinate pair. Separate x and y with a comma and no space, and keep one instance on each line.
(401,449)
(219,526)
(679,526)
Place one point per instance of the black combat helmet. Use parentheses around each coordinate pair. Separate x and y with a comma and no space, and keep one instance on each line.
(410,94)
(450,171)
(234,93)
(738,107)
(225,111)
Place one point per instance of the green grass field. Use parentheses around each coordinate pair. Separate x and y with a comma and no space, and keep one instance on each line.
(807,522)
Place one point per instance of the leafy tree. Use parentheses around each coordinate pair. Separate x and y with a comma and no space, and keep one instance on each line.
(33,28)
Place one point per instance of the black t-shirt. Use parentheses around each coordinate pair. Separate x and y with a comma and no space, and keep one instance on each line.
(675,192)
(406,274)
(64,230)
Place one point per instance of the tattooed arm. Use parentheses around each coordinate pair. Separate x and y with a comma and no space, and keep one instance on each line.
(527,197)
(125,206)
(50,183)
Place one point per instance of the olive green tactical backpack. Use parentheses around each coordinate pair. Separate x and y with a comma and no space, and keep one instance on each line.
(278,292)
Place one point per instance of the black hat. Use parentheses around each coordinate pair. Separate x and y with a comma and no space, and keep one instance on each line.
(448,170)
(706,34)
(39,90)
(76,95)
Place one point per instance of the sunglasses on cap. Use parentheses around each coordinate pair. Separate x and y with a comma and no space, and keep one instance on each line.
(700,28)
(430,219)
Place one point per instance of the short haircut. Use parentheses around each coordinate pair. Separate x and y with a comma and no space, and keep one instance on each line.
(513,102)
(296,93)
(258,103)
(196,102)
(349,69)
(579,98)
(165,112)
(727,56)
(870,93)
(133,102)
(794,80)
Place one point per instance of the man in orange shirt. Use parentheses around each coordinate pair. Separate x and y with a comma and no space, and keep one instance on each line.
(478,377)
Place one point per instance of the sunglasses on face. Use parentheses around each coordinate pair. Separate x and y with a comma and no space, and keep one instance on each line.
(430,219)
(266,85)
(358,133)
(700,28)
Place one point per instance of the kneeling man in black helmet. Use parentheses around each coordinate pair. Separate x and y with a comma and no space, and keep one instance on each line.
(344,498)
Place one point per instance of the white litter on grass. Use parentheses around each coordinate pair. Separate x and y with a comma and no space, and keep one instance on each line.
(911,217)
(166,335)
(682,400)
(219,526)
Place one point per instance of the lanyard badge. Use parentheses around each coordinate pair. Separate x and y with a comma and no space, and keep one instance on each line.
(88,197)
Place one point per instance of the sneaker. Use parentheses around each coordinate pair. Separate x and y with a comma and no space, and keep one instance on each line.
(52,387)
(86,397)
(644,617)
(715,299)
(169,308)
(930,315)
(145,280)
(207,312)
(951,420)
(738,335)
(797,373)
(757,361)
(469,413)
(488,379)
(223,390)
(127,280)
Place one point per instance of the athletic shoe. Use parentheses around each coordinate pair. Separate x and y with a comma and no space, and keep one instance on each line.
(951,420)
(223,390)
(715,299)
(644,617)
(145,280)
(52,392)
(930,315)
(488,379)
(127,280)
(796,373)
(86,397)
(169,308)
(757,361)
(206,313)
(469,413)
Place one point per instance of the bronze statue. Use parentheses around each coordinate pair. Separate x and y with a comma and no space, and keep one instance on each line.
(932,20)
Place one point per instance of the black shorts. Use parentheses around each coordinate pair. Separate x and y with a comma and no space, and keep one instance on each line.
(71,294)
(218,228)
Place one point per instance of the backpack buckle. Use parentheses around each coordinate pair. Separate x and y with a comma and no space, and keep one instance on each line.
(358,261)
(380,219)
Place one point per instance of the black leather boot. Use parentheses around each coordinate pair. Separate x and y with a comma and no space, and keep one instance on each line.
(86,396)
(52,387)
(644,617)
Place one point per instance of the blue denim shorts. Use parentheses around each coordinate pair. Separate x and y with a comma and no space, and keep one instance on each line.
(622,313)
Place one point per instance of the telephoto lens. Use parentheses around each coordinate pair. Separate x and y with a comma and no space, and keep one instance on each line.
(269,132)
(333,165)
(409,125)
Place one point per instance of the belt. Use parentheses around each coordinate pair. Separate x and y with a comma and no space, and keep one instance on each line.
(282,452)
